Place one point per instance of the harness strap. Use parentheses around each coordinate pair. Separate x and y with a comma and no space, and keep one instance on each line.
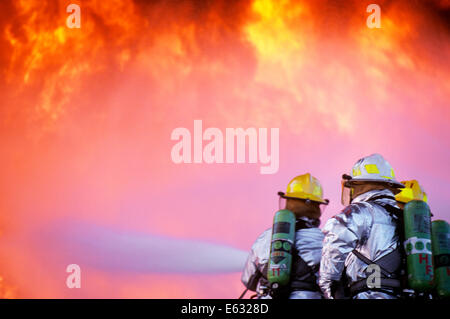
(391,260)
(301,271)
(385,283)
(392,210)
(302,285)
(381,197)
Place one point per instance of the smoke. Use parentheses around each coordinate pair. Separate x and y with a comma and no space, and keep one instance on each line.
(114,250)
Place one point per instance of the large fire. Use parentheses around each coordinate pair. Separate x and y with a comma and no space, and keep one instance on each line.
(86,113)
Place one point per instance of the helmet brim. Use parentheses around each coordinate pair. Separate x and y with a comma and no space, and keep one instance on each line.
(389,183)
(324,202)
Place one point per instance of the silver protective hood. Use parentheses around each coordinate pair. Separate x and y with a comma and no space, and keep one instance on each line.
(363,225)
(308,242)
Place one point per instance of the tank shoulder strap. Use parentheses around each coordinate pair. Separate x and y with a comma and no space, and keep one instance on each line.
(392,210)
(301,270)
(397,214)
(303,276)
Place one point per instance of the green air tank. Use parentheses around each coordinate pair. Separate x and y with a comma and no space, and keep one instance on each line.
(283,239)
(417,222)
(440,240)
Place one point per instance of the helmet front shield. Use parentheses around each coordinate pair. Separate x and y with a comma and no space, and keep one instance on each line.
(346,191)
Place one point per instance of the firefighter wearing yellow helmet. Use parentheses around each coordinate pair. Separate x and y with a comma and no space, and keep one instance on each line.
(440,244)
(304,198)
(303,192)
(364,233)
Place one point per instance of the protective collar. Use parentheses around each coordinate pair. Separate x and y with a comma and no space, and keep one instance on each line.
(384,195)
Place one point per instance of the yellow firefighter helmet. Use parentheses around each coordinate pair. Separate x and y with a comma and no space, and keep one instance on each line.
(305,187)
(412,191)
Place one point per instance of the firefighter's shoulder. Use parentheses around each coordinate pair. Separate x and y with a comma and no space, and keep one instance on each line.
(349,212)
(263,238)
(351,209)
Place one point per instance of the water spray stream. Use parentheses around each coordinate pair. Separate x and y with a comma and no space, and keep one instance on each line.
(113,250)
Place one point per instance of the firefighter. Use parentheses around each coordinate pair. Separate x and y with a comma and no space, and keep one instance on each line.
(304,197)
(418,265)
(364,233)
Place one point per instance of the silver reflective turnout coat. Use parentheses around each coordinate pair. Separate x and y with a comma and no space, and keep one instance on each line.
(363,225)
(308,242)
